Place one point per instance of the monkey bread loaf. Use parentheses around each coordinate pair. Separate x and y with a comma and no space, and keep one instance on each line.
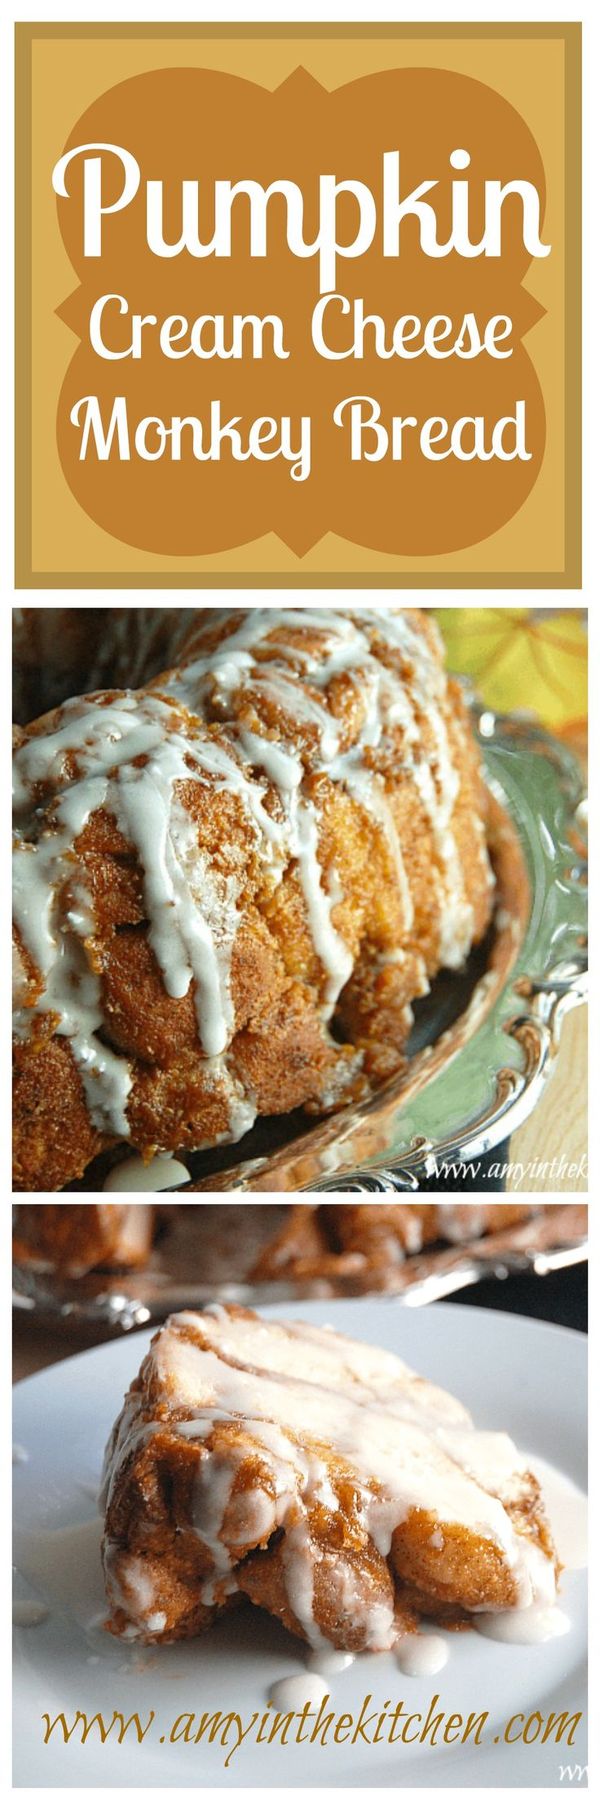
(231,883)
(317,1477)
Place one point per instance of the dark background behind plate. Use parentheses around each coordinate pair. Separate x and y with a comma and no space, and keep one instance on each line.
(561,1297)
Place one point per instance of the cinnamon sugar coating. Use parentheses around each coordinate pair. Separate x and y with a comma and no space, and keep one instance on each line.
(231,884)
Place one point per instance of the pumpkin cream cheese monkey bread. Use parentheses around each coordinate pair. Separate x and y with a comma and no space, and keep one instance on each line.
(348,1500)
(231,882)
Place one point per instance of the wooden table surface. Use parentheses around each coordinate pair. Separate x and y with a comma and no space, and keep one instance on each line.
(555,1134)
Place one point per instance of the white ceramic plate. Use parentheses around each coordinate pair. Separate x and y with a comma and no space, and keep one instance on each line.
(513,1373)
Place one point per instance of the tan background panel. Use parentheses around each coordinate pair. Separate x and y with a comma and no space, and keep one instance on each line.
(529,72)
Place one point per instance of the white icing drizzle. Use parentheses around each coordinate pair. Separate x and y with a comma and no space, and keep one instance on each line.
(135,1176)
(212,1492)
(330,947)
(294,1389)
(285,770)
(299,1576)
(567,1509)
(130,753)
(388,704)
(140,1585)
(133,1589)
(329,1662)
(294,1692)
(192,913)
(422,1653)
(534,1625)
